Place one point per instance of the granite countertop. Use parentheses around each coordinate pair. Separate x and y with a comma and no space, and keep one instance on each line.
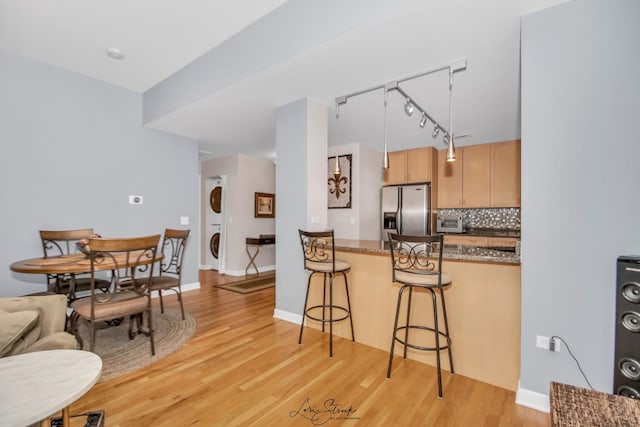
(451,252)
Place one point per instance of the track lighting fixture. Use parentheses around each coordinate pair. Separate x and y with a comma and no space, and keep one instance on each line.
(423,120)
(408,107)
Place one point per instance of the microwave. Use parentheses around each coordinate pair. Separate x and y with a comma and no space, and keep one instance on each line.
(449,224)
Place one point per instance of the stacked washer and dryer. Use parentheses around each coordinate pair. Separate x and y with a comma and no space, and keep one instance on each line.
(215,223)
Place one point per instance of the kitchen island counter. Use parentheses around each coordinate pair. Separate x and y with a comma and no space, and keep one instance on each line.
(483,307)
(450,252)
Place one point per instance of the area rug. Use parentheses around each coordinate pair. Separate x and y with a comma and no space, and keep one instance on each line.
(121,355)
(250,285)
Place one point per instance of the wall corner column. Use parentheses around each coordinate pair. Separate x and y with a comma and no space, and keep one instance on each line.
(301,202)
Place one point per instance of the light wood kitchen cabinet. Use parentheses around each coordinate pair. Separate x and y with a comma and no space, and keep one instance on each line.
(411,166)
(396,173)
(483,176)
(476,176)
(462,239)
(502,241)
(505,174)
(465,240)
(450,180)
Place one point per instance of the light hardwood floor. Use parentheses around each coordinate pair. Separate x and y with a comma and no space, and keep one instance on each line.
(243,367)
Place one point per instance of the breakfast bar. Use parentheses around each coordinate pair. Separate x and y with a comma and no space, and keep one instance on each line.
(483,307)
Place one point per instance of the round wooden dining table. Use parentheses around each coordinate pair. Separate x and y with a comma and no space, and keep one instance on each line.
(75,263)
(72,264)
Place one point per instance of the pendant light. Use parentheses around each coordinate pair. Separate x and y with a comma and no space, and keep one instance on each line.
(451,149)
(336,171)
(385,159)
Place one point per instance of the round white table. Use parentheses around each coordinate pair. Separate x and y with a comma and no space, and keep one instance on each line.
(34,386)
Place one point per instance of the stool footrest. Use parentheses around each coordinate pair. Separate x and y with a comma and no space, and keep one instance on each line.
(417,347)
(328,307)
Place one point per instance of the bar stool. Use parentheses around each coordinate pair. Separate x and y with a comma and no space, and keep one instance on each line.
(413,269)
(319,257)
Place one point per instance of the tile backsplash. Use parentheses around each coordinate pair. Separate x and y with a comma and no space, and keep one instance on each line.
(498,218)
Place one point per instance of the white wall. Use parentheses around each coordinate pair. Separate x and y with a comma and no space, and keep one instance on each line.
(580,181)
(245,176)
(73,149)
(301,149)
(371,175)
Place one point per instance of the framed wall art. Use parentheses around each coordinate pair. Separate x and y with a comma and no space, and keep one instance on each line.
(265,205)
(339,185)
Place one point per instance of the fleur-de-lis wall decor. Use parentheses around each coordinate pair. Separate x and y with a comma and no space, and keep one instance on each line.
(339,182)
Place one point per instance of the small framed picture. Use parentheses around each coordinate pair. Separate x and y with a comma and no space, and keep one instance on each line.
(265,205)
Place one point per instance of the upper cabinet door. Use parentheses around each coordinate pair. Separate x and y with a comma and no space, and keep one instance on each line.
(396,173)
(486,175)
(411,166)
(420,164)
(505,174)
(476,176)
(450,180)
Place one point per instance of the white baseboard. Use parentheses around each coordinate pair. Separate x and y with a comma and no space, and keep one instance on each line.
(532,399)
(287,316)
(251,271)
(185,288)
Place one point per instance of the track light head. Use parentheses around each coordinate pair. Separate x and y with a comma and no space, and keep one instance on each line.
(408,107)
(436,131)
(423,120)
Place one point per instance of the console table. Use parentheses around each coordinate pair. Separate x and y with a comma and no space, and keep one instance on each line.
(36,385)
(257,243)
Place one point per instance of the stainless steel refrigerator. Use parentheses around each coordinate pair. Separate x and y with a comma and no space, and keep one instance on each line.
(406,209)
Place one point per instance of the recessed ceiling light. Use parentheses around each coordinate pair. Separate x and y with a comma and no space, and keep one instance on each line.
(115,53)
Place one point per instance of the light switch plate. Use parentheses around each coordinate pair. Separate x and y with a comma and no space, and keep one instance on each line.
(184,220)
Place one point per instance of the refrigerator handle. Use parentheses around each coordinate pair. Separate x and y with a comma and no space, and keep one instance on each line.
(399,211)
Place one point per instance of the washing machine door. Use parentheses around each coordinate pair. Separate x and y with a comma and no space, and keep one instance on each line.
(214,244)
(215,199)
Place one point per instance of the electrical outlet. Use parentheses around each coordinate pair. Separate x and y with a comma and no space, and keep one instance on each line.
(542,342)
(547,344)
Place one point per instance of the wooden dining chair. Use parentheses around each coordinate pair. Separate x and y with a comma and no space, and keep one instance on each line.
(170,278)
(57,243)
(132,261)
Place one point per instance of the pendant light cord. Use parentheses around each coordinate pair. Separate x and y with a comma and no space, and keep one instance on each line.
(385,160)
(450,103)
(451,149)
(337,170)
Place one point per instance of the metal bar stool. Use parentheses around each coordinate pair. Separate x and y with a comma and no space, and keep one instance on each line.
(414,266)
(319,257)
